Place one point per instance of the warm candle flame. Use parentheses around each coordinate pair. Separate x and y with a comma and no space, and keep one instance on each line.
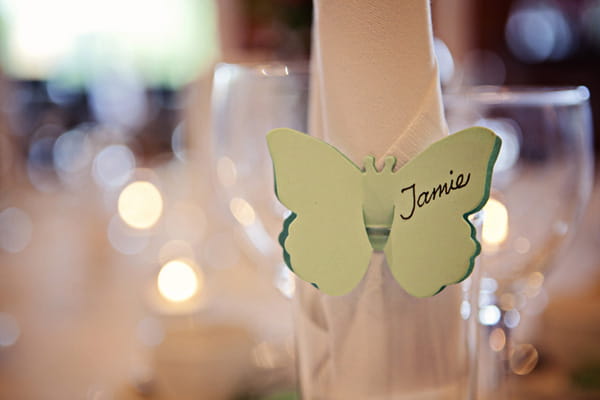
(178,281)
(242,211)
(495,223)
(140,205)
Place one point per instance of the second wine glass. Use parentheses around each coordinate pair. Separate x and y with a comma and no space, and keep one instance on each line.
(541,185)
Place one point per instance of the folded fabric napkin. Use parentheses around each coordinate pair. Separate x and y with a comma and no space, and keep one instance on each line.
(375,91)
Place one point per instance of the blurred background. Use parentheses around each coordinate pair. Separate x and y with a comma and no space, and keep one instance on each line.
(123,271)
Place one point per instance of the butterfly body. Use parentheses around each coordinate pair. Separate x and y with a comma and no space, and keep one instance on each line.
(378,192)
(416,214)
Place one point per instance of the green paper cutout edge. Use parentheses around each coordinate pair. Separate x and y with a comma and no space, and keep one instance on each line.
(390,161)
(484,200)
(492,157)
(284,236)
(281,239)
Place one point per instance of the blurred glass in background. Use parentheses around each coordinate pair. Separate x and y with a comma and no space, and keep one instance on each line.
(121,272)
(101,71)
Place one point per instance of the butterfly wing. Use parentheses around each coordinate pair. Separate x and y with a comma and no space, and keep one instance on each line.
(431,243)
(324,240)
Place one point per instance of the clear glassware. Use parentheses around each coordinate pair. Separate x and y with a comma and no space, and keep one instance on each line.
(249,100)
(375,343)
(380,343)
(541,185)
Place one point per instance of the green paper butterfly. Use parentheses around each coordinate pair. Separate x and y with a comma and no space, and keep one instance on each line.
(417,215)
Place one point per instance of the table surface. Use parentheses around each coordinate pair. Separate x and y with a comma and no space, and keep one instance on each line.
(79,303)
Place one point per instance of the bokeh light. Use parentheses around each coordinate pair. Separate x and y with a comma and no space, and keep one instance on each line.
(495,223)
(489,315)
(16,229)
(512,318)
(465,309)
(445,61)
(113,166)
(226,171)
(489,285)
(72,151)
(179,281)
(178,142)
(510,133)
(242,211)
(497,339)
(40,164)
(9,330)
(140,205)
(535,279)
(523,359)
(507,301)
(285,281)
(539,31)
(118,99)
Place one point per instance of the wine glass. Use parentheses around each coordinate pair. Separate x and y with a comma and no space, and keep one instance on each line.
(541,185)
(433,358)
(249,100)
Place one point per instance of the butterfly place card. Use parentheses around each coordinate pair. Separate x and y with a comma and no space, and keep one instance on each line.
(416,214)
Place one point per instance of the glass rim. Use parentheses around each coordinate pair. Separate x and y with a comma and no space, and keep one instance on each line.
(267,69)
(521,95)
(484,94)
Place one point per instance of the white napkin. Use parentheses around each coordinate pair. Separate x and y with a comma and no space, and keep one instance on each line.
(375,91)
(374,84)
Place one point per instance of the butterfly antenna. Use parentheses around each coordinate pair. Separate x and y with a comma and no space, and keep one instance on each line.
(369,163)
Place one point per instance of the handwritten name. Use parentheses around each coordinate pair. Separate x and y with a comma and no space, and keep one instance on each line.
(426,197)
